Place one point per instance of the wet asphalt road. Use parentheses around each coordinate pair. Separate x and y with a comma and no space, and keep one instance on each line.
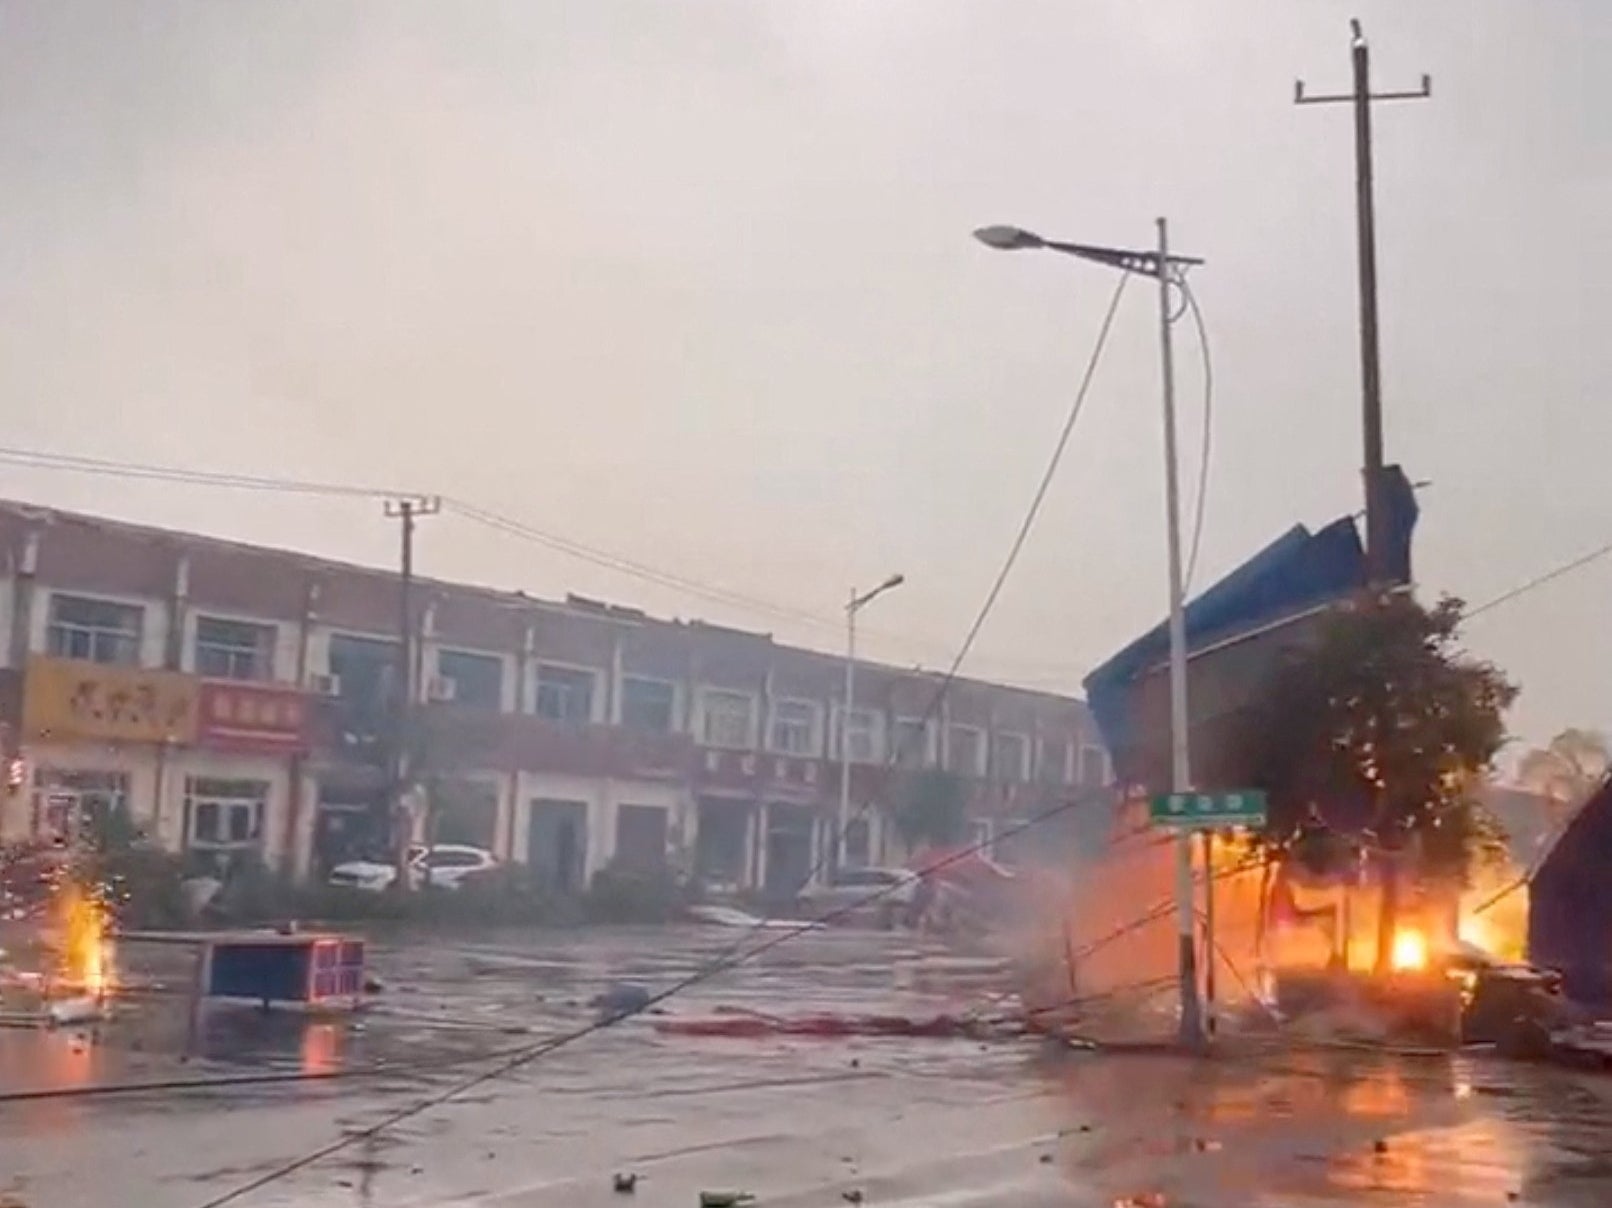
(797,1122)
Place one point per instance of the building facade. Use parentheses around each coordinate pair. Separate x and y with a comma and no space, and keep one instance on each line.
(230,699)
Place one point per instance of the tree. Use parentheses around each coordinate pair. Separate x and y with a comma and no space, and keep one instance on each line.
(1382,730)
(1567,771)
(932,809)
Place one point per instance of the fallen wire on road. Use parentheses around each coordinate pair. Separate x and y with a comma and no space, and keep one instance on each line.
(525,1055)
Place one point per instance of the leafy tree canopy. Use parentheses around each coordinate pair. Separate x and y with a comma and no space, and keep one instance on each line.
(1383,727)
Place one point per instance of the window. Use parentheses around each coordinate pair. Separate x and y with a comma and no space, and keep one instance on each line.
(564,694)
(1054,766)
(477,679)
(864,734)
(729,718)
(648,704)
(1012,757)
(99,631)
(72,804)
(364,667)
(1093,767)
(965,750)
(224,813)
(794,728)
(914,743)
(237,650)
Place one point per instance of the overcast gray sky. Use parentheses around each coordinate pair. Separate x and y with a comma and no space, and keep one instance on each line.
(693,282)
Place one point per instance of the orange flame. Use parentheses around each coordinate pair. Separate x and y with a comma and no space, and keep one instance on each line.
(86,951)
(1410,950)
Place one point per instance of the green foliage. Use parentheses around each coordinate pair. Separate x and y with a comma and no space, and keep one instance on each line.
(932,808)
(1383,726)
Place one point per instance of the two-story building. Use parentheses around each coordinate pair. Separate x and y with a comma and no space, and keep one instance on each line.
(230,698)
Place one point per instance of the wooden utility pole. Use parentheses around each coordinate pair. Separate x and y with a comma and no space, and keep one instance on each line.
(406,511)
(1360,97)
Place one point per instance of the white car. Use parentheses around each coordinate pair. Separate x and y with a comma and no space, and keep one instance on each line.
(885,892)
(444,866)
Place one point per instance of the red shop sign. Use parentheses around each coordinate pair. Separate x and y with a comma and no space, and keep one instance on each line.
(252,717)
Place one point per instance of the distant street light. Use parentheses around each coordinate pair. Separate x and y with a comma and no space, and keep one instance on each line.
(854,605)
(1168,270)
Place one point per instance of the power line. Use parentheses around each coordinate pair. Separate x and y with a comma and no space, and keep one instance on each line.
(1549,576)
(736,954)
(1200,505)
(35,459)
(527,1055)
(109,467)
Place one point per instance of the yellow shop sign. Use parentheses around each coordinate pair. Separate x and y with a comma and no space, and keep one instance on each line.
(71,699)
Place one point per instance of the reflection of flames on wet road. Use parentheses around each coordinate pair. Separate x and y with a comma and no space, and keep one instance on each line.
(85,957)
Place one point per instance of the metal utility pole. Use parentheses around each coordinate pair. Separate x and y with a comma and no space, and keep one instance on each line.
(1180,743)
(855,604)
(406,511)
(1360,97)
(1169,270)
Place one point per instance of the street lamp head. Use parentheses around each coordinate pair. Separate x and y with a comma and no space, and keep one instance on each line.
(892,581)
(1008,238)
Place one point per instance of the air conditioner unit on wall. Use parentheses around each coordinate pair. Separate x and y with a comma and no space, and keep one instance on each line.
(324,685)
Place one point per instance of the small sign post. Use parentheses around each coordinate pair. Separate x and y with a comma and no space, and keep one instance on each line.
(1206,813)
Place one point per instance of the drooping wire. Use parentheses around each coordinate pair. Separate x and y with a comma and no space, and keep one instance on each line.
(527,1054)
(1200,505)
(737,953)
(605,559)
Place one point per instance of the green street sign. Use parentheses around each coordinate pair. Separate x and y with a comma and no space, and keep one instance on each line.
(1207,811)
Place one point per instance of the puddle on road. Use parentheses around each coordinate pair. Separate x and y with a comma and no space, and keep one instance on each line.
(1365,1129)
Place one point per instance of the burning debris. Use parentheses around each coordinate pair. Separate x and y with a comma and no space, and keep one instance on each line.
(73,968)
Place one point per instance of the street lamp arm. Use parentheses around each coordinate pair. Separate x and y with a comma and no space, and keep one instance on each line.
(860,601)
(1125,259)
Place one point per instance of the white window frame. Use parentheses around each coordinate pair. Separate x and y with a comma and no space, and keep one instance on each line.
(255,805)
(707,695)
(95,633)
(593,673)
(873,731)
(669,685)
(927,757)
(1022,773)
(981,749)
(813,721)
(468,652)
(263,654)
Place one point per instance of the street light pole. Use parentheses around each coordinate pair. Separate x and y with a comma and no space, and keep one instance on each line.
(1180,745)
(853,605)
(1168,270)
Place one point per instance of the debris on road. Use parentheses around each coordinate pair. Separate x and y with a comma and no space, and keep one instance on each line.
(621,999)
(725,1199)
(750,1024)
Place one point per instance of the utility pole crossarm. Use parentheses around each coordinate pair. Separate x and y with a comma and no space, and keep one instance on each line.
(1300,97)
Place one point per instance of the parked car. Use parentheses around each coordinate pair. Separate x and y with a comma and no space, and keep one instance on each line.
(443,866)
(885,893)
